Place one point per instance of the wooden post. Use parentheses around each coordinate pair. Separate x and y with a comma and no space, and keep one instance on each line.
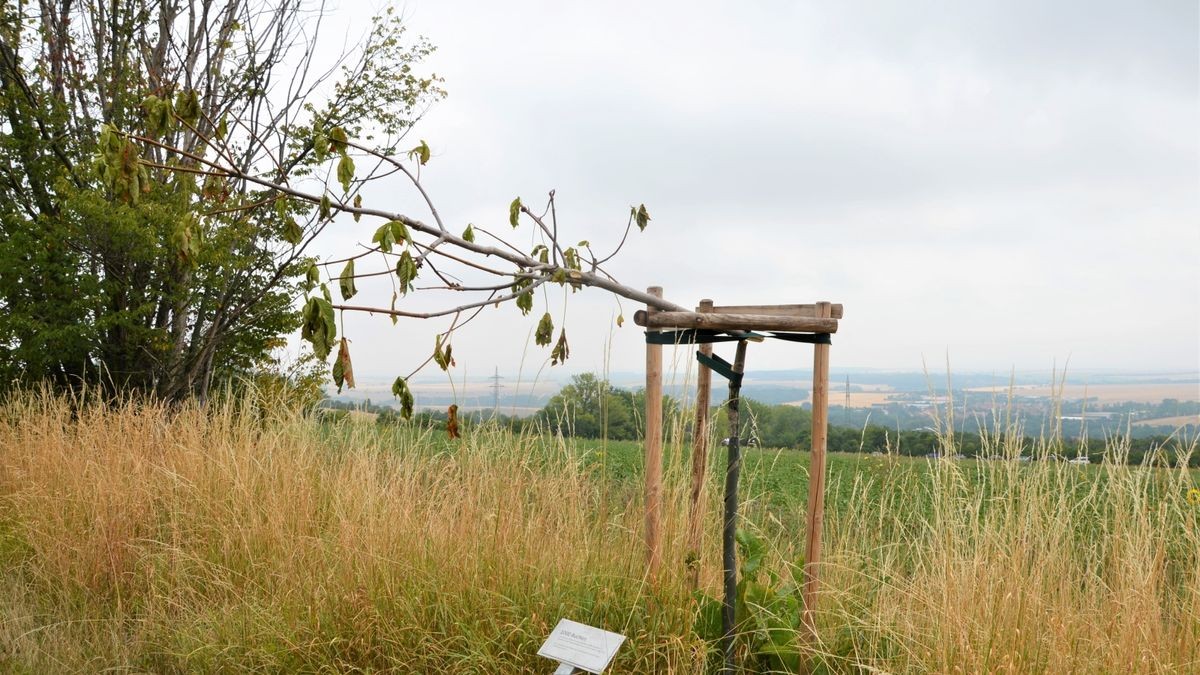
(653,451)
(816,476)
(700,443)
(729,526)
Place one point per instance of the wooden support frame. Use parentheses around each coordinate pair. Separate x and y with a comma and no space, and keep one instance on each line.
(820,317)
(654,441)
(700,443)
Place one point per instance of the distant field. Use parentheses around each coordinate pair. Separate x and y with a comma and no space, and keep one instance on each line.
(858,399)
(1169,421)
(1106,393)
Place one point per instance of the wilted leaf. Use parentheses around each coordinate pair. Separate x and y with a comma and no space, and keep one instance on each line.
(346,281)
(357,205)
(469,234)
(452,421)
(420,153)
(326,208)
(318,326)
(545,331)
(514,212)
(561,351)
(343,371)
(406,270)
(640,216)
(400,390)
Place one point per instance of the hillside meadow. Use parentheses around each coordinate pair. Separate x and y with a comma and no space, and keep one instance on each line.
(136,537)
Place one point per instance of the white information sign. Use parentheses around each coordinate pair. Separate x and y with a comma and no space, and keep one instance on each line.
(581,646)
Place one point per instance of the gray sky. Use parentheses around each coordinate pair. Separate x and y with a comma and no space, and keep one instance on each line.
(1013,184)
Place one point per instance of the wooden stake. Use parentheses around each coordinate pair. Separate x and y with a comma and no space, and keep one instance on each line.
(729,526)
(816,477)
(700,439)
(653,451)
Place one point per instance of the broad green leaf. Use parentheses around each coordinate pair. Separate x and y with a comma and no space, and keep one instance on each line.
(469,234)
(345,172)
(318,326)
(400,232)
(292,232)
(338,139)
(326,207)
(320,146)
(313,277)
(346,281)
(384,237)
(406,270)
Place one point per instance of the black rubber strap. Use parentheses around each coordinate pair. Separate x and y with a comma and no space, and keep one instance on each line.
(706,336)
(721,367)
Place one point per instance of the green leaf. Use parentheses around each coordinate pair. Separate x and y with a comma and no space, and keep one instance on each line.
(442,356)
(318,326)
(385,237)
(187,106)
(406,270)
(524,298)
(514,212)
(400,390)
(469,234)
(752,550)
(338,139)
(346,281)
(541,253)
(357,205)
(326,207)
(222,129)
(320,146)
(640,216)
(420,153)
(312,278)
(345,172)
(545,331)
(292,232)
(281,206)
(400,232)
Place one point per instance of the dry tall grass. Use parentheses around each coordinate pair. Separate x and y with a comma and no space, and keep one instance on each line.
(142,538)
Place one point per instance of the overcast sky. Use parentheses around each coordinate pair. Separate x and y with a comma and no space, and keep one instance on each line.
(1013,184)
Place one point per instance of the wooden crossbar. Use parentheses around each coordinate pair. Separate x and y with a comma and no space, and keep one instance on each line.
(778,310)
(727,321)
